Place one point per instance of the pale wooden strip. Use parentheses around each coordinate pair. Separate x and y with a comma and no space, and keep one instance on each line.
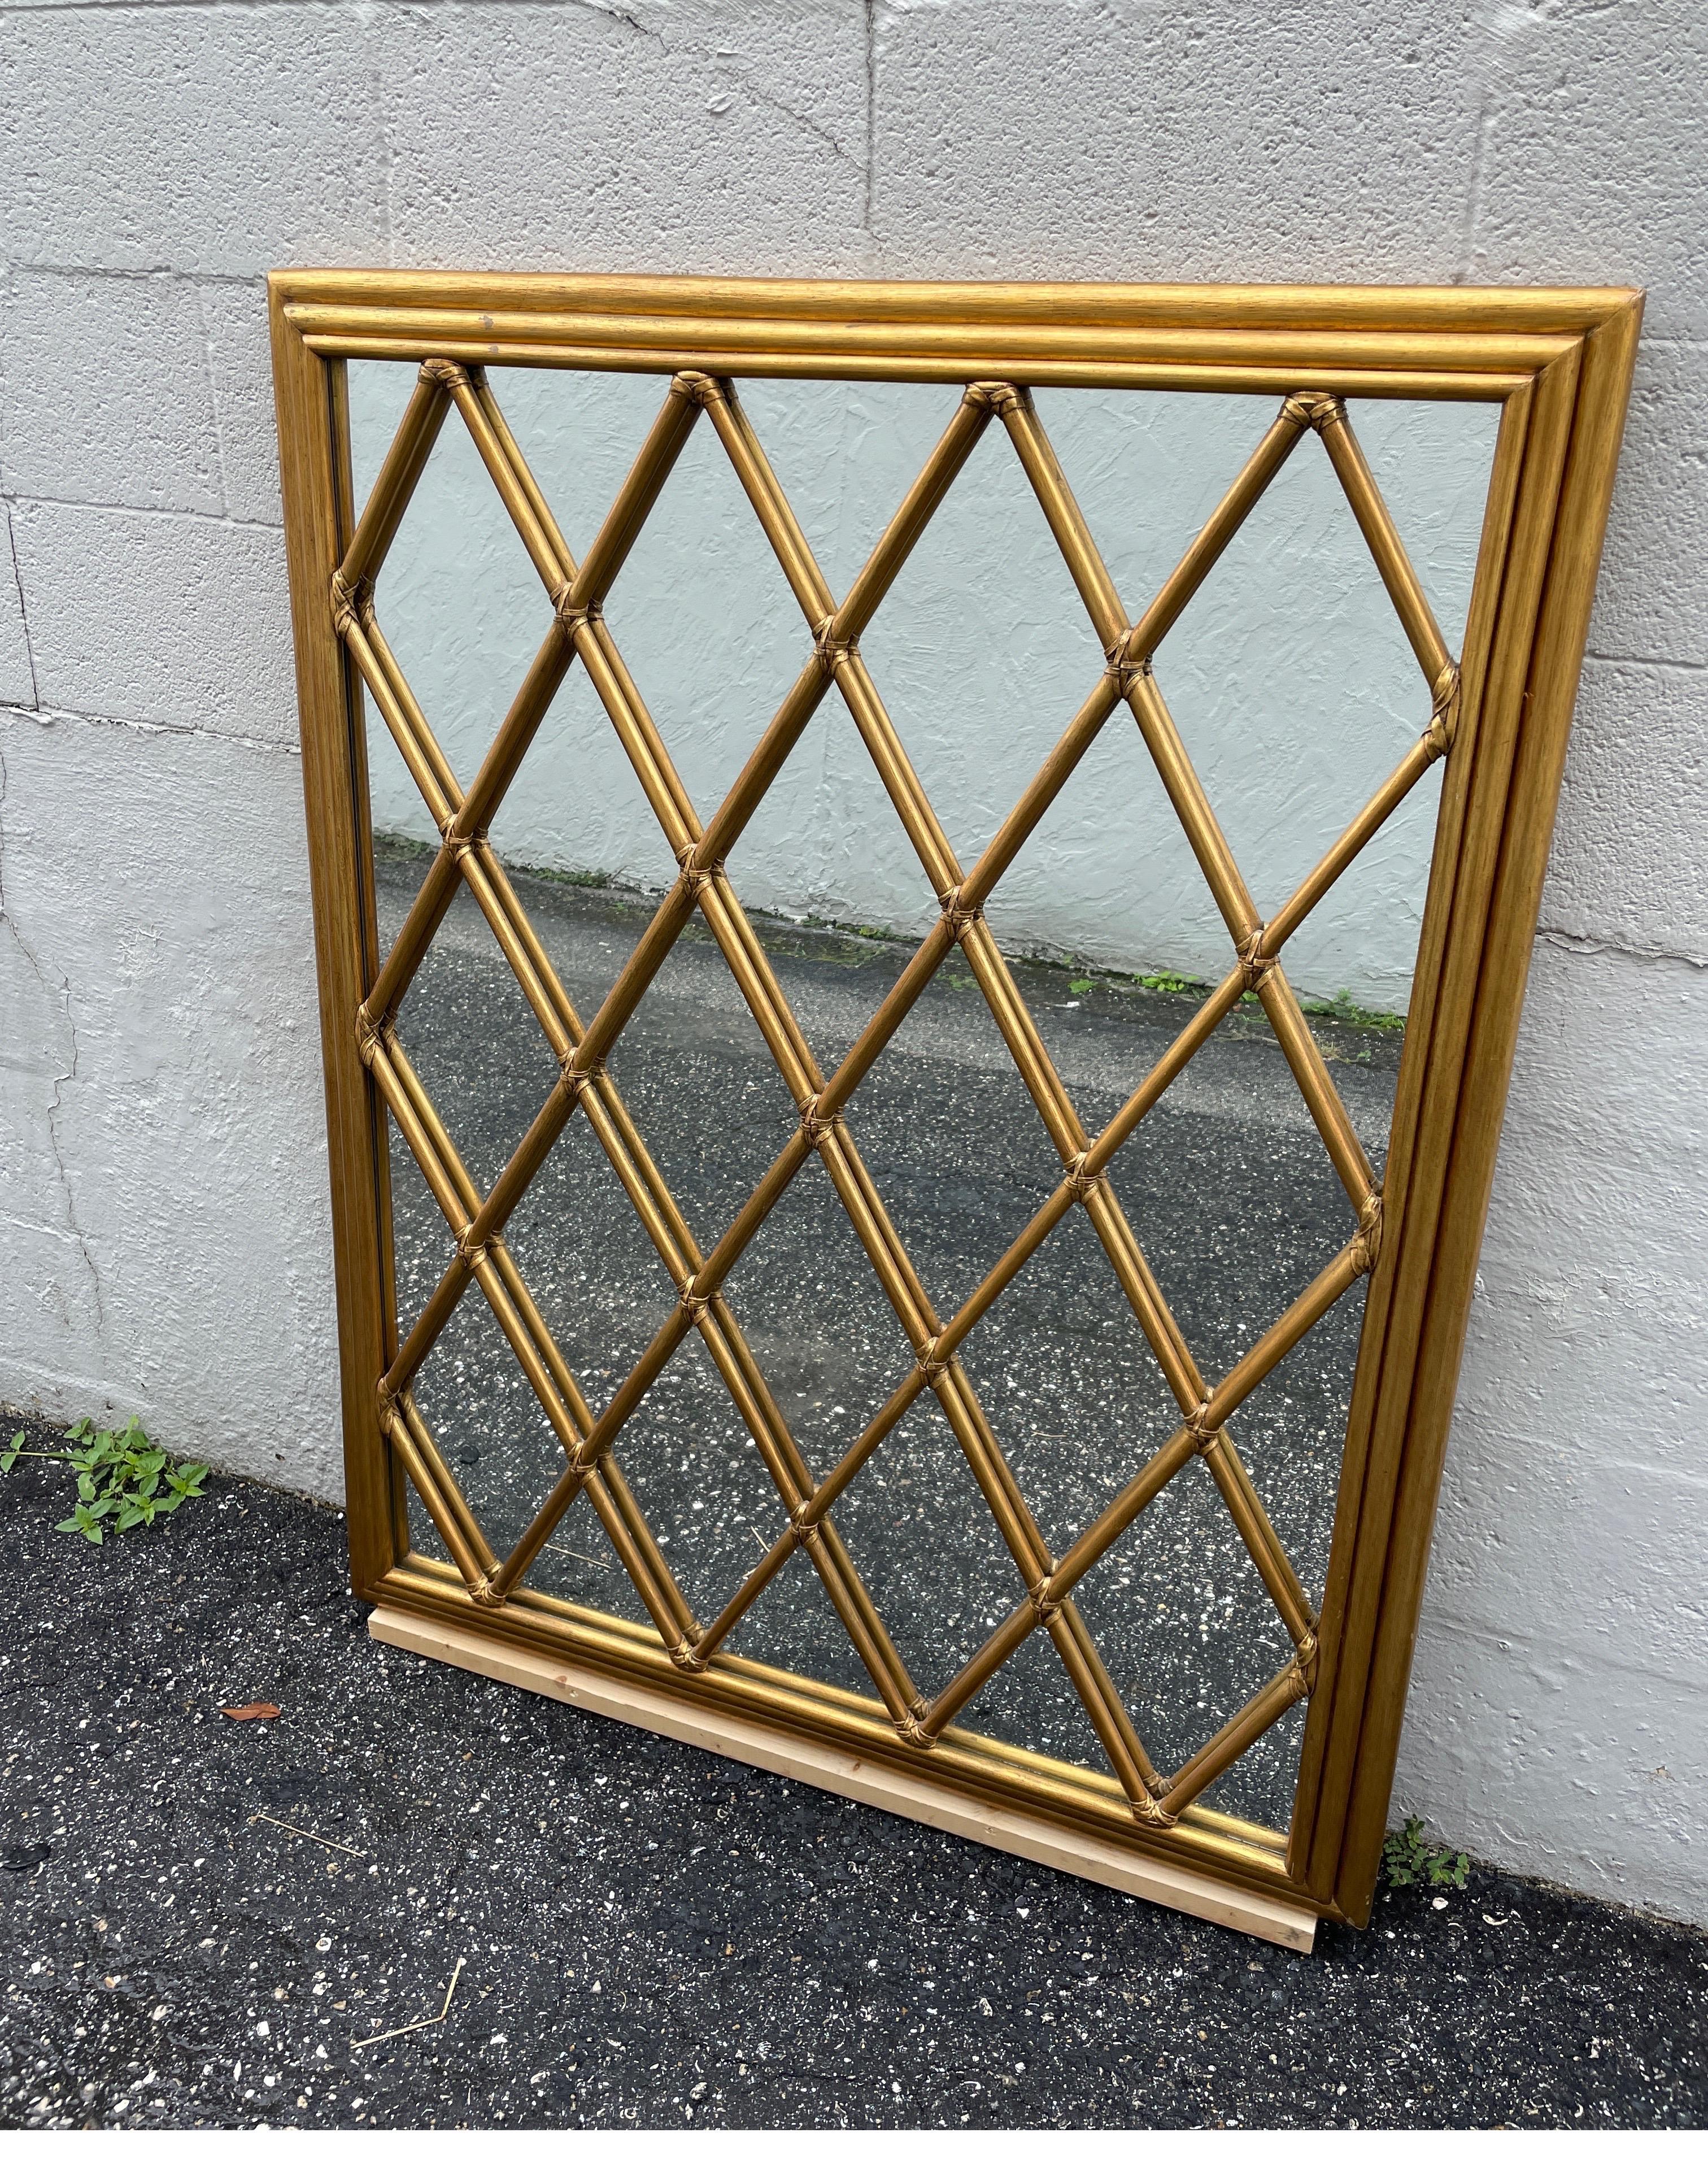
(775,1748)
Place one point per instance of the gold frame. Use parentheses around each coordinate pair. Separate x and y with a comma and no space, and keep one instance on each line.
(1558,362)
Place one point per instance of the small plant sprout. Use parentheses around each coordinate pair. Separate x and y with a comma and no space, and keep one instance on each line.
(1343,1009)
(123,1479)
(1408,1859)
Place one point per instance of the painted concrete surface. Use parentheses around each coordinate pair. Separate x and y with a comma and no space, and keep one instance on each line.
(162,1207)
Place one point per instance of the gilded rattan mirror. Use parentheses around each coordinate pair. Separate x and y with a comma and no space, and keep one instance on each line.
(922,897)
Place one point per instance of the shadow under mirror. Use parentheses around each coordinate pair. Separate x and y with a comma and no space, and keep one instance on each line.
(1237,1118)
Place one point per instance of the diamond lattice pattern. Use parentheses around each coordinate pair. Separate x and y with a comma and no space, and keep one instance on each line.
(463,813)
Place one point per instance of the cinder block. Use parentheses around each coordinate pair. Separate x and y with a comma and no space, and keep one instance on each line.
(1503,1756)
(1195,143)
(167,1247)
(1576,1492)
(106,392)
(1593,167)
(241,364)
(1650,599)
(223,140)
(1630,855)
(1605,1035)
(696,137)
(1628,1532)
(173,619)
(17,678)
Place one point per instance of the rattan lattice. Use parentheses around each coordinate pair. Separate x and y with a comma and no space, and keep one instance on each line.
(463,816)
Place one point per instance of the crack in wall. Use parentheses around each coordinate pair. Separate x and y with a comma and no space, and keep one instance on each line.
(60,993)
(23,612)
(47,715)
(214,406)
(27,500)
(871,31)
(55,269)
(1474,194)
(1584,942)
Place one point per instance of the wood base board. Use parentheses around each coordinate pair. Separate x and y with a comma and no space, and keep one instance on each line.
(862,1779)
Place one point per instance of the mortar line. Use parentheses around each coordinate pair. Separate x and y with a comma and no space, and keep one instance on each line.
(23,611)
(62,993)
(1648,658)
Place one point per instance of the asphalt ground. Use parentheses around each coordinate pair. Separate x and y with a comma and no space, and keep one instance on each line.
(648,1936)
(1226,1183)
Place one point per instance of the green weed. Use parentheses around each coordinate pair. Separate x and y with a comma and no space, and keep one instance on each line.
(1343,1009)
(1408,1859)
(123,1478)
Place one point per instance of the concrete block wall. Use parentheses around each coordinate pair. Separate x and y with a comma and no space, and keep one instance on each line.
(163,1239)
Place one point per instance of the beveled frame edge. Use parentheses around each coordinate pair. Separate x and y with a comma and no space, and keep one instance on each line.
(1560,362)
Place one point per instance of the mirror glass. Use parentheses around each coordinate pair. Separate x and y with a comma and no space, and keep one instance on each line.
(1295,694)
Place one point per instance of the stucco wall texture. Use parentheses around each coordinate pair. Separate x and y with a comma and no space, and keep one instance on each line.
(163,1223)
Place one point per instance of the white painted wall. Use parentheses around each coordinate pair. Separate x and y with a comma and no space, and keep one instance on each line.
(163,1214)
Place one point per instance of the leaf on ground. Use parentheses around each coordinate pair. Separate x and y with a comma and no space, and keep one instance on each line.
(243,1713)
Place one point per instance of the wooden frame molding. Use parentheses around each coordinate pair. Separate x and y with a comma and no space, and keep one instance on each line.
(1558,363)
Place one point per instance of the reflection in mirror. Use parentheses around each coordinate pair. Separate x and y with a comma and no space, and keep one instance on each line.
(1290,686)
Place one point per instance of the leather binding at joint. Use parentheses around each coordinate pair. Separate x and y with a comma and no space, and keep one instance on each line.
(1126,671)
(698,387)
(694,877)
(575,1079)
(368,1034)
(928,1364)
(959,920)
(1444,711)
(815,1126)
(1315,410)
(571,616)
(1078,1184)
(352,604)
(998,396)
(441,371)
(1369,1234)
(1149,1811)
(829,649)
(459,847)
(1045,1608)
(1255,963)
(912,1728)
